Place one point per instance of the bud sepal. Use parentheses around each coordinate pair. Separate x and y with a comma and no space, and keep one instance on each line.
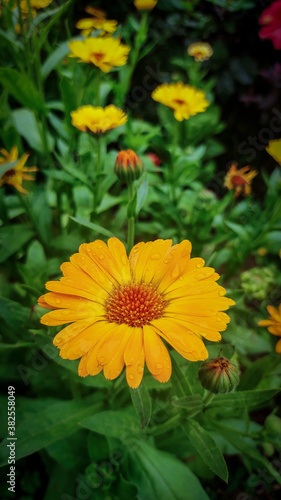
(219,375)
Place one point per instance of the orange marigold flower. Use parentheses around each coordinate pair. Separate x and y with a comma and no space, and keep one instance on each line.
(145,4)
(15,175)
(105,52)
(97,119)
(201,51)
(186,101)
(119,308)
(128,166)
(274,149)
(239,179)
(273,324)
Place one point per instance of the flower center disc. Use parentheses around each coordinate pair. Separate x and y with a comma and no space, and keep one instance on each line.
(134,304)
(237,180)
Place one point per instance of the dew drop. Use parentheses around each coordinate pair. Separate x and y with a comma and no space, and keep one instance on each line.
(159,366)
(198,265)
(131,377)
(140,369)
(201,276)
(221,293)
(88,249)
(58,301)
(101,256)
(124,260)
(101,359)
(166,261)
(218,318)
(176,272)
(136,249)
(155,256)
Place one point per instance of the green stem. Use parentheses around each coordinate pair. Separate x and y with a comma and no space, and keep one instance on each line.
(98,169)
(98,88)
(166,426)
(208,398)
(131,220)
(173,155)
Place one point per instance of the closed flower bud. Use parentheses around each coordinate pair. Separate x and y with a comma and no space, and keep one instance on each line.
(128,166)
(273,424)
(219,375)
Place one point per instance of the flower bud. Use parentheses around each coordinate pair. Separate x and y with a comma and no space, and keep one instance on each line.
(219,375)
(128,166)
(272,424)
(145,4)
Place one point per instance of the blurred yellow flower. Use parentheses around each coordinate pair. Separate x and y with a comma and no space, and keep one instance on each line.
(186,101)
(262,251)
(201,51)
(104,52)
(145,4)
(90,24)
(119,308)
(34,4)
(17,174)
(274,149)
(240,179)
(98,120)
(273,324)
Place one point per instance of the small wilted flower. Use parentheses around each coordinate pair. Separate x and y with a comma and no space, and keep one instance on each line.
(240,179)
(274,149)
(219,375)
(273,324)
(145,4)
(185,100)
(17,174)
(98,120)
(201,51)
(258,282)
(128,166)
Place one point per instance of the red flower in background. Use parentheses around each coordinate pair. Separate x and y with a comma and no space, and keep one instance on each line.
(155,159)
(271,18)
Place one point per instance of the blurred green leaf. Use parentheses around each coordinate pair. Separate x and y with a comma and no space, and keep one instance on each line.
(54,59)
(12,239)
(142,195)
(30,130)
(205,445)
(95,227)
(14,314)
(22,89)
(117,424)
(55,422)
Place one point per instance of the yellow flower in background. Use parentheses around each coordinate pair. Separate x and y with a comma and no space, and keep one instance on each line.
(145,4)
(97,119)
(273,324)
(201,51)
(262,251)
(103,52)
(88,25)
(274,149)
(17,174)
(240,179)
(34,4)
(118,308)
(186,101)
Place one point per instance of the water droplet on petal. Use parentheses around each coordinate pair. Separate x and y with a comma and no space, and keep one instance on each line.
(198,265)
(221,293)
(136,249)
(176,272)
(218,318)
(58,301)
(201,276)
(155,256)
(166,261)
(101,360)
(124,260)
(159,366)
(131,377)
(101,256)
(140,369)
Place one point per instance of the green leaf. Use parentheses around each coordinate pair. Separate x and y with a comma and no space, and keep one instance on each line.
(12,239)
(14,314)
(54,59)
(242,399)
(203,442)
(117,424)
(91,225)
(29,129)
(191,403)
(45,427)
(141,195)
(179,381)
(158,474)
(142,403)
(22,89)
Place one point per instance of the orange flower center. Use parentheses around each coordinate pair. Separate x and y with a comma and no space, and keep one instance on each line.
(9,173)
(179,101)
(134,304)
(237,180)
(98,55)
